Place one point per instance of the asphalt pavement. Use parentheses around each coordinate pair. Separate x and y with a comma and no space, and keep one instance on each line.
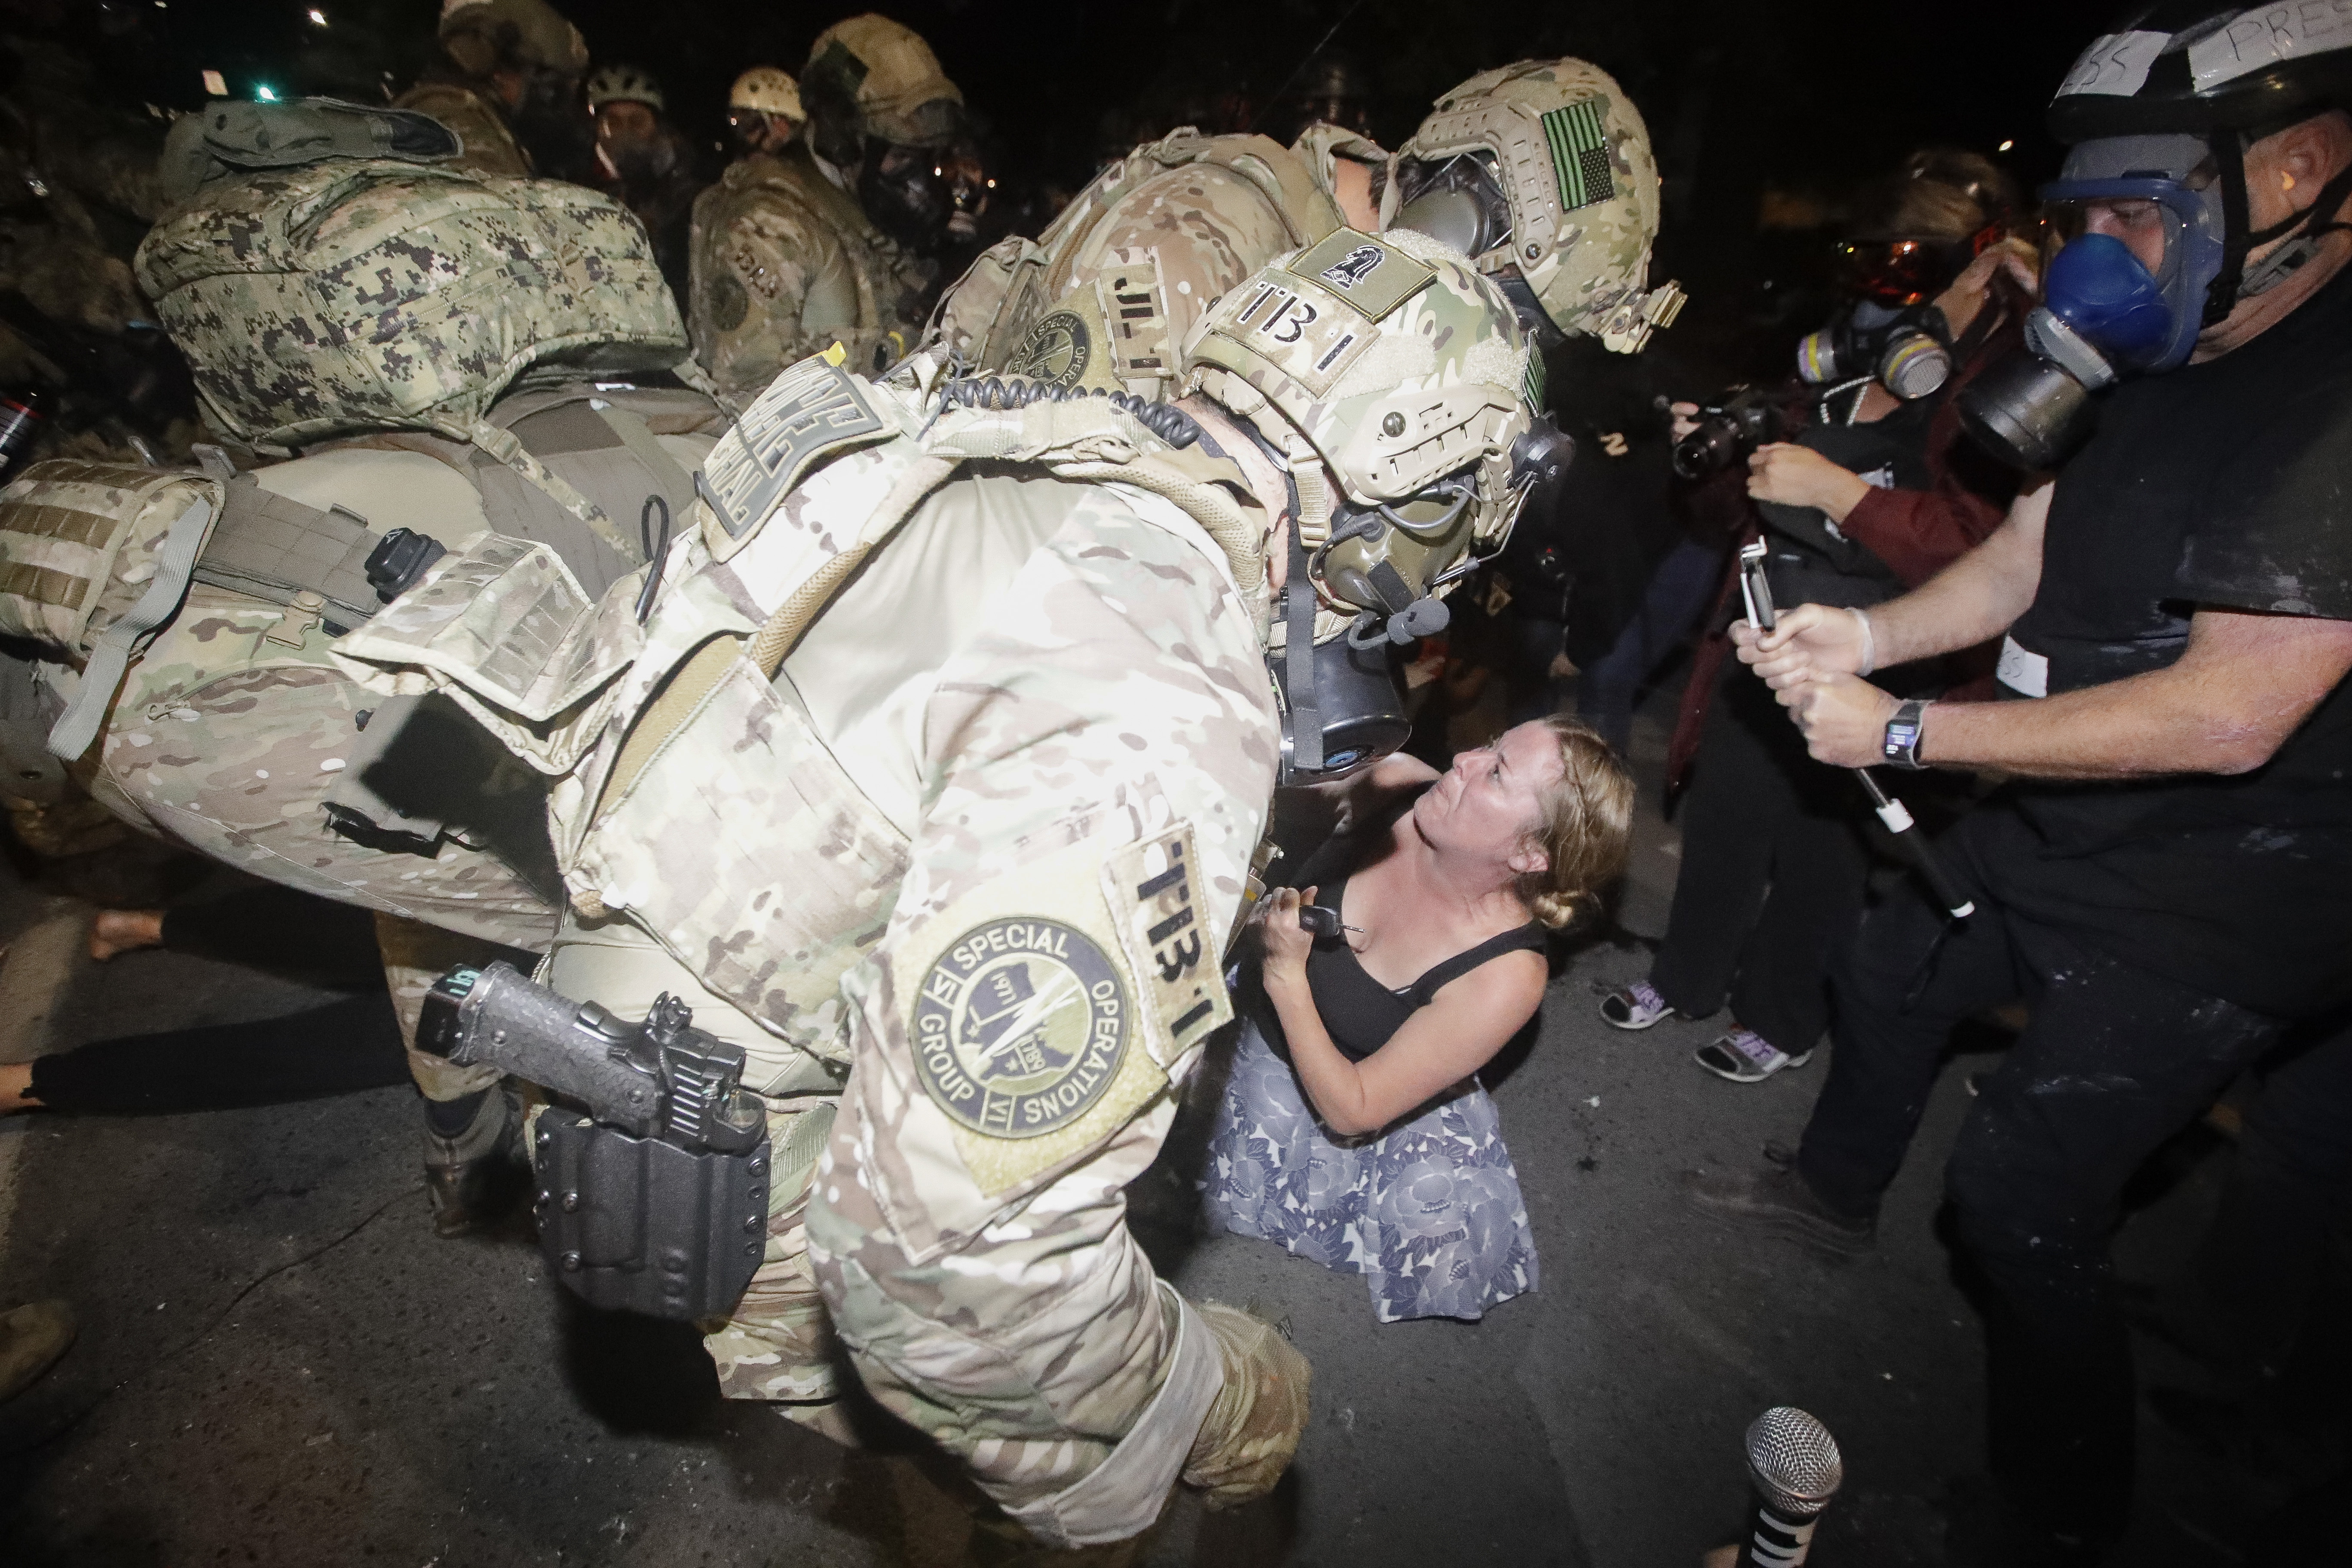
(279,1364)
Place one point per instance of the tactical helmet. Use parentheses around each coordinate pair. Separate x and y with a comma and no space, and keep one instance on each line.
(1391,363)
(1565,204)
(869,77)
(764,89)
(625,84)
(483,35)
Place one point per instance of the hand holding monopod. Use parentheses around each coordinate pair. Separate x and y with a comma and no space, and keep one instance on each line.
(1755,592)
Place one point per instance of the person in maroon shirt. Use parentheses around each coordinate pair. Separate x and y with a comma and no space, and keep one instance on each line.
(1874,494)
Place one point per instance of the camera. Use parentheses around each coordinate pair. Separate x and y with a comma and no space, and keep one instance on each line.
(1731,425)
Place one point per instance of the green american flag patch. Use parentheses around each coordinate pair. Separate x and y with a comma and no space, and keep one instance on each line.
(1579,152)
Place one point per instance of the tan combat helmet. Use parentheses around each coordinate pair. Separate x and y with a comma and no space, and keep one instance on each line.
(870,77)
(1389,366)
(1542,171)
(764,89)
(478,34)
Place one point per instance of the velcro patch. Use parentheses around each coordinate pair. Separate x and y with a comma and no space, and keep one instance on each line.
(1029,1024)
(811,410)
(1155,896)
(1370,275)
(1135,316)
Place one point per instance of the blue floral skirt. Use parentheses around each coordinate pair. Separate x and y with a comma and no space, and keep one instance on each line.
(1429,1212)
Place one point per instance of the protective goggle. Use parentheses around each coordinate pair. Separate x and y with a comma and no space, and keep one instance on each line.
(1897,271)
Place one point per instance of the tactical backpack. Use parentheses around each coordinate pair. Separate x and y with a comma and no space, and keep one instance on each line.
(985,319)
(351,293)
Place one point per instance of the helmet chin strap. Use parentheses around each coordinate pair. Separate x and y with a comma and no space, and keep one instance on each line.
(2289,258)
(2233,283)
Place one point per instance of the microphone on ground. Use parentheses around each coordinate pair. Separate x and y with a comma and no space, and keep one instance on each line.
(1795,1465)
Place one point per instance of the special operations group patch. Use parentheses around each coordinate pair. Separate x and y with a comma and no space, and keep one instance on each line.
(1020,1027)
(1056,351)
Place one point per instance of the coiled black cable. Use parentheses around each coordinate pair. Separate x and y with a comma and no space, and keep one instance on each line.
(1168,422)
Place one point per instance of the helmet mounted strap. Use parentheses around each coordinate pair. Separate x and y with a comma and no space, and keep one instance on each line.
(2275,268)
(2221,294)
(1305,718)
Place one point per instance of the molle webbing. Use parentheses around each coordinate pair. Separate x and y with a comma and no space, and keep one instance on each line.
(273,548)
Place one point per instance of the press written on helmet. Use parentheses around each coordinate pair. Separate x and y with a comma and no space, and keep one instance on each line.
(1394,383)
(1542,173)
(2159,113)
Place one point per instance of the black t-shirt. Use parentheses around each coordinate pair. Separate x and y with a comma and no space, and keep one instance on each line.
(2226,484)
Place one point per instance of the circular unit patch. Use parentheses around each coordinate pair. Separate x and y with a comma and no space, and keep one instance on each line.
(1021,1027)
(1055,351)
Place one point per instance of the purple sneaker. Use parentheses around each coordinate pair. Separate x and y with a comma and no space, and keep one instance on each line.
(1634,1006)
(1743,1056)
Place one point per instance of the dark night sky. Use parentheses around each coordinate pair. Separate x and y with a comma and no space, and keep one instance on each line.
(1739,94)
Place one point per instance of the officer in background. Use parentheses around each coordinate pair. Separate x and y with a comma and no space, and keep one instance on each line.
(509,84)
(763,111)
(824,243)
(954,850)
(1108,293)
(646,163)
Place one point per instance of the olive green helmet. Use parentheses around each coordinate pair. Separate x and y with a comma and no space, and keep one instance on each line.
(1390,364)
(1542,171)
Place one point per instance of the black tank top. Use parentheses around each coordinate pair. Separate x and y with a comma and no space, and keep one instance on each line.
(1359,1012)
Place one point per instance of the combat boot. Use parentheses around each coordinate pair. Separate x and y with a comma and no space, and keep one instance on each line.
(32,1338)
(1253,1428)
(471,1174)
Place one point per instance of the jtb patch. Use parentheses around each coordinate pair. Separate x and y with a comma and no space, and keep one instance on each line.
(1021,1027)
(1155,892)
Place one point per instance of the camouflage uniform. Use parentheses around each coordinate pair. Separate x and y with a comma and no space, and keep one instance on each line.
(491,148)
(784,265)
(1113,287)
(981,868)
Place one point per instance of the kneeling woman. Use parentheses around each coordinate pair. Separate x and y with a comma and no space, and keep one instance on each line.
(1354,1131)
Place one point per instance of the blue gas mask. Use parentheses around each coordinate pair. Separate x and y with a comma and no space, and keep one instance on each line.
(2105,315)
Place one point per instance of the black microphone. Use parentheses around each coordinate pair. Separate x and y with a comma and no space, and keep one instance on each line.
(1794,1462)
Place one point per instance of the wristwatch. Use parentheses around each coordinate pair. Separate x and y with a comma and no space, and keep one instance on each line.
(1900,746)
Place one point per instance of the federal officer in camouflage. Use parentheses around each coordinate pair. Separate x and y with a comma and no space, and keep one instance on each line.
(824,244)
(340,289)
(932,780)
(1108,293)
(1542,171)
(509,84)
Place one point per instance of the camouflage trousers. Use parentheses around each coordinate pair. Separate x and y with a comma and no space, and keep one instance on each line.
(1048,1355)
(227,742)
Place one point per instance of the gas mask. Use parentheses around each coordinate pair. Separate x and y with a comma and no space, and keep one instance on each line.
(1389,381)
(1903,347)
(1460,200)
(905,192)
(2105,316)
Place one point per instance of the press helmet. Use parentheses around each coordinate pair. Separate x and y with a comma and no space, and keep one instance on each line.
(1394,383)
(1542,173)
(625,84)
(2162,107)
(764,89)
